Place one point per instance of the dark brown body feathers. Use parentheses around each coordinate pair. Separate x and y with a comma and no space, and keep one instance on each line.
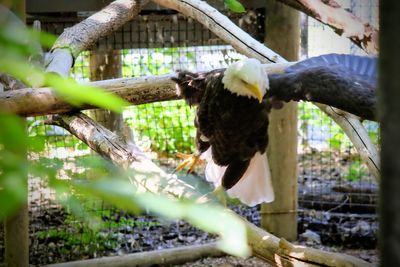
(234,126)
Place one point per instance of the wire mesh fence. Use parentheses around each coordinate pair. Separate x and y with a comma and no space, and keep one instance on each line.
(334,184)
(332,178)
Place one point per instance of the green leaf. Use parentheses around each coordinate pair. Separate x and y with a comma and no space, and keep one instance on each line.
(36,143)
(13,164)
(13,192)
(235,6)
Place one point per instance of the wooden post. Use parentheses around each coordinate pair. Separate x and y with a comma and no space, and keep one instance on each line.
(389,111)
(105,63)
(280,217)
(16,228)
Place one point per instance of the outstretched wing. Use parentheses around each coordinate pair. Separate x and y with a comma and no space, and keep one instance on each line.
(353,66)
(352,79)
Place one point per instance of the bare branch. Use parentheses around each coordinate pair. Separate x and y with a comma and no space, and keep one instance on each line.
(224,28)
(43,101)
(341,21)
(83,35)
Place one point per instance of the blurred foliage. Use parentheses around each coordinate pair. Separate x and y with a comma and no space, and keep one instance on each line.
(13,164)
(235,6)
(357,170)
(68,177)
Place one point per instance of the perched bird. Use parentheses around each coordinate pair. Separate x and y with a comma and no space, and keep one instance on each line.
(231,121)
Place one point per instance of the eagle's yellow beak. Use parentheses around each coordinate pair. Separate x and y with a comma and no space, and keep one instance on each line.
(256,91)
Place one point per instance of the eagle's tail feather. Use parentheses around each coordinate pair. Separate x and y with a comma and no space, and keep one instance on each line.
(253,188)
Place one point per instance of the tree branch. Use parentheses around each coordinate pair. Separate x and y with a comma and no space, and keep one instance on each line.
(164,257)
(341,21)
(85,34)
(224,28)
(44,101)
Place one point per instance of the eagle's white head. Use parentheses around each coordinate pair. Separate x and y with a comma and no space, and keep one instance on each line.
(246,77)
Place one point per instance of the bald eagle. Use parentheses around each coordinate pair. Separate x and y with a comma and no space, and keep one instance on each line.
(232,121)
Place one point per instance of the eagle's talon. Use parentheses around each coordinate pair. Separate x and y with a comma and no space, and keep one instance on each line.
(190,160)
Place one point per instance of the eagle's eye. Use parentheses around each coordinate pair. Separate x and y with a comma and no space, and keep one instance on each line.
(243,81)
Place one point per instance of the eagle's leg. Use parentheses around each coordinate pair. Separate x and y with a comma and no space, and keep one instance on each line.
(190,160)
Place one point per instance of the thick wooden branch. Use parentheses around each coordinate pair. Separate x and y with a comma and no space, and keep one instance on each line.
(264,245)
(162,257)
(141,90)
(44,101)
(85,34)
(341,21)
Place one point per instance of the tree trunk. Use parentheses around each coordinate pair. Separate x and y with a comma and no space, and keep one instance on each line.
(389,110)
(280,217)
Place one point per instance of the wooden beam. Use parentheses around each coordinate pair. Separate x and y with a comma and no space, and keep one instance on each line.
(389,110)
(280,217)
(162,257)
